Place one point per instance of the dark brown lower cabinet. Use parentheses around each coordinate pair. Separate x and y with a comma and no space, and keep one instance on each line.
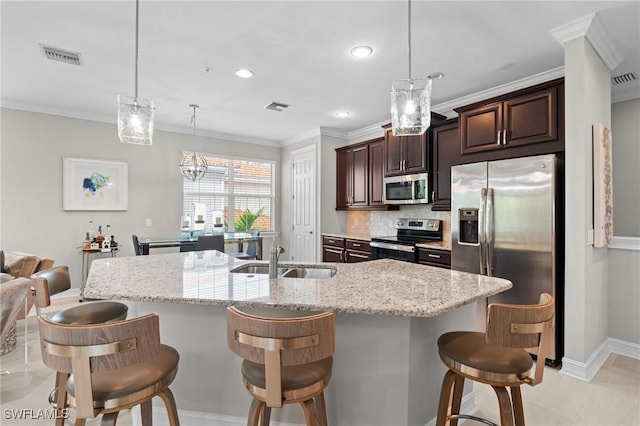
(344,250)
(434,257)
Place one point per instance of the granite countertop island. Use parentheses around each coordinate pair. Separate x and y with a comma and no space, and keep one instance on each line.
(379,287)
(389,314)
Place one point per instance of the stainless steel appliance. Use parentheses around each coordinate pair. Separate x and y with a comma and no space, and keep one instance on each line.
(406,189)
(402,246)
(506,218)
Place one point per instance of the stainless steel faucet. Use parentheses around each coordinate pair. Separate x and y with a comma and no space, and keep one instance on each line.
(274,255)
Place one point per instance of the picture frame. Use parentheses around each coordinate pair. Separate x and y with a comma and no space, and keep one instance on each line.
(94,185)
(602,186)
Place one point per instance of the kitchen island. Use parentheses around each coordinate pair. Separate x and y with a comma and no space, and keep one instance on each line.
(389,315)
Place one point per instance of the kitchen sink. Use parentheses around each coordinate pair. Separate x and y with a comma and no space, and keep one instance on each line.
(256,269)
(288,272)
(313,273)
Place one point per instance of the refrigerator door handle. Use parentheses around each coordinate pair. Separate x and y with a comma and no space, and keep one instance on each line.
(488,222)
(481,230)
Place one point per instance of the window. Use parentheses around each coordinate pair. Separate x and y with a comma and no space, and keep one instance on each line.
(236,194)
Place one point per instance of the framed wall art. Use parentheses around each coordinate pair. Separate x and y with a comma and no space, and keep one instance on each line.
(94,184)
(602,186)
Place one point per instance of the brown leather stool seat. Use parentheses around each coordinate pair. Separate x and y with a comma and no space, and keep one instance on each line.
(287,359)
(498,358)
(293,377)
(112,366)
(92,313)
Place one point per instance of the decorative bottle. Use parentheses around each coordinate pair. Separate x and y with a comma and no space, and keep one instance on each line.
(100,237)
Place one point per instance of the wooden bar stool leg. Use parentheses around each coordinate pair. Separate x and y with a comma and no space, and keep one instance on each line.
(254,412)
(321,406)
(61,397)
(310,412)
(506,409)
(146,413)
(456,398)
(265,416)
(518,409)
(170,404)
(446,393)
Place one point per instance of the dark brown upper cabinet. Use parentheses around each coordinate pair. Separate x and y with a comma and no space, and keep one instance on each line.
(359,173)
(525,122)
(406,154)
(445,143)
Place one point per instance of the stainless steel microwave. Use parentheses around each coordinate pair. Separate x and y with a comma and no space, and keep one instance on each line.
(406,189)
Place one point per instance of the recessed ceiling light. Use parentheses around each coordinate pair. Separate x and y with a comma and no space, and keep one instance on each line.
(244,73)
(343,114)
(361,51)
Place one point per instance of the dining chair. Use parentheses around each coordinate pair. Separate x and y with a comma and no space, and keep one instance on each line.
(210,242)
(288,357)
(112,366)
(136,245)
(498,358)
(252,250)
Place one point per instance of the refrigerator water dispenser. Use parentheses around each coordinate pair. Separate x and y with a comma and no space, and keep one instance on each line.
(468,226)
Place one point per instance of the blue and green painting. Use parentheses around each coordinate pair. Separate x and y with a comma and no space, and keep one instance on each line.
(95,184)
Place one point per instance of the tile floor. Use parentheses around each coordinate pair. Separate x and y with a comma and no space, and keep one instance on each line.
(612,398)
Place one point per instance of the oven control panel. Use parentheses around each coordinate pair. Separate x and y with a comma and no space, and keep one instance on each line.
(418,224)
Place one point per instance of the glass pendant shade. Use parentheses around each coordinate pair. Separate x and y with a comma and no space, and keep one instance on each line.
(135,120)
(193,166)
(411,106)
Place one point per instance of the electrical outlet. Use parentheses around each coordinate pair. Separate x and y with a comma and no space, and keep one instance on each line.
(148,223)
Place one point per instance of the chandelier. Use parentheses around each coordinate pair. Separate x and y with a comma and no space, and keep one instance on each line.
(135,116)
(193,166)
(411,100)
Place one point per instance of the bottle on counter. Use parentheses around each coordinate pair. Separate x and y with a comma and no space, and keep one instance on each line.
(91,230)
(86,244)
(100,237)
(114,243)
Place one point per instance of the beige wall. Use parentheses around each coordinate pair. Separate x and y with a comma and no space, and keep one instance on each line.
(33,146)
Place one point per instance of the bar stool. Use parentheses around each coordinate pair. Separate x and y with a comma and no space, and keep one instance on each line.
(287,359)
(56,280)
(112,366)
(497,357)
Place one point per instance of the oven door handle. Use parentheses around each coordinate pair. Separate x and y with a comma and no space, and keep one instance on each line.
(388,246)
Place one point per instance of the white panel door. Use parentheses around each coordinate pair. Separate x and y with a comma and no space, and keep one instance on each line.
(303,202)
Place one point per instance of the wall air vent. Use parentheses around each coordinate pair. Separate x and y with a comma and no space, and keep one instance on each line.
(624,78)
(61,55)
(276,106)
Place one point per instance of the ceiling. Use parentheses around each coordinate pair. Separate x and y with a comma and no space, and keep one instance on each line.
(298,50)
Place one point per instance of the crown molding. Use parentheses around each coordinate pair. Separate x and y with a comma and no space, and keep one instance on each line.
(590,27)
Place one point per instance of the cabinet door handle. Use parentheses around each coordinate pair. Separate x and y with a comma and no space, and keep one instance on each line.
(355,244)
(498,140)
(504,137)
(437,256)
(433,195)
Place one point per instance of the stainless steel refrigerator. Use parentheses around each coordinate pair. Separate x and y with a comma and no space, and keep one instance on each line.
(506,221)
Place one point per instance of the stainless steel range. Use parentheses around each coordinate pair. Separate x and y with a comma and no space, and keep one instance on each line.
(402,246)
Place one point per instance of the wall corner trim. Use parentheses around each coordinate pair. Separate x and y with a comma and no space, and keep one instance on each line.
(586,371)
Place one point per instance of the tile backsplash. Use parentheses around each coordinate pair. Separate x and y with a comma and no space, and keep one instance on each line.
(380,223)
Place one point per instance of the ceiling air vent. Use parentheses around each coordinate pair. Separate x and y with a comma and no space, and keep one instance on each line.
(61,55)
(624,78)
(277,106)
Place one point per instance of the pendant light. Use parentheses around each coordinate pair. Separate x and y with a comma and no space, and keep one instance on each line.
(411,100)
(135,116)
(193,166)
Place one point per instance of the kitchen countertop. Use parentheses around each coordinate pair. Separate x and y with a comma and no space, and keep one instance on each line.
(378,287)
(440,245)
(364,237)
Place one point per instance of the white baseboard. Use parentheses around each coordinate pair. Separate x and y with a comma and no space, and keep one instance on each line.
(196,418)
(587,370)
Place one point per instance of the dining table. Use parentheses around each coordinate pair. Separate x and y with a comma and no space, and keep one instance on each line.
(187,241)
